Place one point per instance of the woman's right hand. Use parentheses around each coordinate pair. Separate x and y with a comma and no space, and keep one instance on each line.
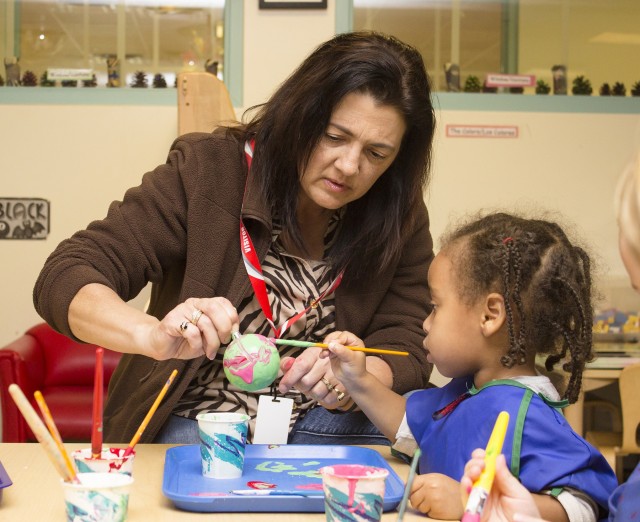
(196,327)
(99,316)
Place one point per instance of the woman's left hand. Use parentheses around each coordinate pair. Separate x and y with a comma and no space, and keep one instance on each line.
(313,376)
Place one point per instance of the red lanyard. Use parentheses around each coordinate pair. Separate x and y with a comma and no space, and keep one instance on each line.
(254,270)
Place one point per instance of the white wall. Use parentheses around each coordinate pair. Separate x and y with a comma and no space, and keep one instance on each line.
(566,163)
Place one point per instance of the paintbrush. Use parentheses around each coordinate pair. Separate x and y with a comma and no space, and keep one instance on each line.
(482,486)
(41,433)
(98,392)
(407,488)
(152,410)
(324,346)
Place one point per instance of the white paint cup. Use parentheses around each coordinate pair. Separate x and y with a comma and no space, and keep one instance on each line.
(223,437)
(98,497)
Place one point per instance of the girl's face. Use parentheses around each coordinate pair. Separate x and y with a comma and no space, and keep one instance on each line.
(361,141)
(454,337)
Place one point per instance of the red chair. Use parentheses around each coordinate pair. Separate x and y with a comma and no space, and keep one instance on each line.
(63,370)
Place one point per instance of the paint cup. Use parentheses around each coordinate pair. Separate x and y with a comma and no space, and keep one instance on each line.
(353,492)
(99,497)
(223,437)
(112,460)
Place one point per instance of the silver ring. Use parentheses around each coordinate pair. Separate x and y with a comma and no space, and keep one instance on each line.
(326,382)
(183,326)
(340,394)
(195,316)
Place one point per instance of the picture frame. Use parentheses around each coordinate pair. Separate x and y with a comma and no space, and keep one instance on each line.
(292,4)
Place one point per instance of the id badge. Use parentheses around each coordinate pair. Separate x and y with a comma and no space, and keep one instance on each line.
(272,421)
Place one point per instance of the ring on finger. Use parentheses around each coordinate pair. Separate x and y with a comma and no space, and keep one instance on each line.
(183,326)
(195,316)
(326,382)
(339,394)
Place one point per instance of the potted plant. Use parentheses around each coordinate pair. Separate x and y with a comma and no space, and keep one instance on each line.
(619,89)
(139,80)
(605,89)
(472,84)
(159,81)
(542,87)
(635,88)
(581,86)
(29,79)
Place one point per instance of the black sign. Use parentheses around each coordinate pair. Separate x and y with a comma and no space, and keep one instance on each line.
(24,218)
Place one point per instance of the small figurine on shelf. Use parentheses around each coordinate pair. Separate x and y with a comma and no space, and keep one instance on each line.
(542,87)
(581,86)
(69,83)
(29,79)
(159,81)
(45,81)
(605,90)
(113,72)
(452,75)
(139,80)
(472,84)
(559,73)
(635,89)
(12,68)
(619,89)
(93,82)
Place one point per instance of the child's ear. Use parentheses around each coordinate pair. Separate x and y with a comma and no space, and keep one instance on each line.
(494,314)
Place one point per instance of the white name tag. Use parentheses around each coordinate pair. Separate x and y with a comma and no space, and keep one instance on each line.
(272,421)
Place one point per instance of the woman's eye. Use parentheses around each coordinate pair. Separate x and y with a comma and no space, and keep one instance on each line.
(332,137)
(377,155)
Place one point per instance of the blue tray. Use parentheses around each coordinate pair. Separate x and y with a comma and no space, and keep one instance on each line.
(293,469)
(5,481)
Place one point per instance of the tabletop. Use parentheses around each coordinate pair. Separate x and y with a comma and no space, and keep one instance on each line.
(36,493)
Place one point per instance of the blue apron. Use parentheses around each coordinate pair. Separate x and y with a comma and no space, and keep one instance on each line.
(540,447)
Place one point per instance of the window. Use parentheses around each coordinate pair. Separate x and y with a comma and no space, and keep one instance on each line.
(154,37)
(596,39)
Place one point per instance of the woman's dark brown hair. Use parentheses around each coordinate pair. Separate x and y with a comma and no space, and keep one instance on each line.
(288,127)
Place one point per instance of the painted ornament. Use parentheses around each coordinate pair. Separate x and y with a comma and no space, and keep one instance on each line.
(251,362)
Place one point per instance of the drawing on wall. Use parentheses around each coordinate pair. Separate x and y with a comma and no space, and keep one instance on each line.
(24,218)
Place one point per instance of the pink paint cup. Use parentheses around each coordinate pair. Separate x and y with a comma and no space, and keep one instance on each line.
(112,460)
(353,492)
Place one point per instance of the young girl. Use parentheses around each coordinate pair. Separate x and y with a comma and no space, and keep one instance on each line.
(504,289)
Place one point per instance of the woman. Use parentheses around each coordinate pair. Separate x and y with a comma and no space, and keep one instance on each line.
(324,186)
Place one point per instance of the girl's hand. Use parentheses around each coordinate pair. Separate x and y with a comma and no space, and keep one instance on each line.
(437,496)
(311,373)
(197,327)
(348,366)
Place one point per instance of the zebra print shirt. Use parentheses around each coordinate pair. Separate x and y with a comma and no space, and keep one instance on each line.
(292,283)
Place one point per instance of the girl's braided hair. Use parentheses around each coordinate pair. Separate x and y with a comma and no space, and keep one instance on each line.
(546,284)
